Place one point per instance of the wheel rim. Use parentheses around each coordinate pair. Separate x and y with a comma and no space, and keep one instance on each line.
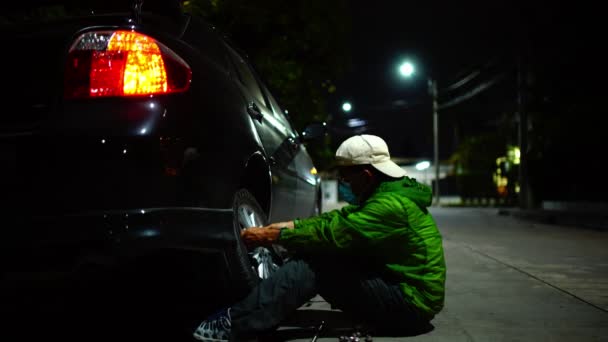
(248,217)
(263,261)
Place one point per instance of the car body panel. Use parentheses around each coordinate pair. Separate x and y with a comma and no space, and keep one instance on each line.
(74,170)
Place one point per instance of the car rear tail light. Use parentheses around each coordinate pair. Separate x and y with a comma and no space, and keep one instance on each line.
(123,63)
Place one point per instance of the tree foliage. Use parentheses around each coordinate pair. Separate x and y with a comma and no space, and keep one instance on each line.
(474,163)
(299,48)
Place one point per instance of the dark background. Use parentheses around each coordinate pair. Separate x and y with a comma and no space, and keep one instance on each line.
(549,56)
(560,45)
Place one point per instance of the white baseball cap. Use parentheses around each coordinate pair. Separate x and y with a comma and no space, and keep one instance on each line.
(368,149)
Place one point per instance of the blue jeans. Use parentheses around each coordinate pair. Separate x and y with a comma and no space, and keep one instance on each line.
(347,284)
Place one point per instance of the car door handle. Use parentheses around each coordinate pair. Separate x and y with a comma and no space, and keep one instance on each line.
(254,111)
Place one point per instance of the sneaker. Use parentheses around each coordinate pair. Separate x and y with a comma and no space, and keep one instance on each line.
(215,328)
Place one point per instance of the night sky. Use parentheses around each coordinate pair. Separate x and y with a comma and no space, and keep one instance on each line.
(449,40)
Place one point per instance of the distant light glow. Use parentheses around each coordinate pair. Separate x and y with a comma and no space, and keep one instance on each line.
(406,69)
(423,165)
(346,106)
(514,155)
(356,123)
(149,233)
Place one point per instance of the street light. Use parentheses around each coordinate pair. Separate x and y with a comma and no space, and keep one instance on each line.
(346,107)
(407,69)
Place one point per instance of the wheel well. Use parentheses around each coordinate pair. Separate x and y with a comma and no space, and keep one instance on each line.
(257,180)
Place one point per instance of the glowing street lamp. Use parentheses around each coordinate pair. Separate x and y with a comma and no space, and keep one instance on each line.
(347,107)
(406,69)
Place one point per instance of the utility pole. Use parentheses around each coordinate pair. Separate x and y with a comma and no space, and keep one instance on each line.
(433,91)
(407,69)
(524,193)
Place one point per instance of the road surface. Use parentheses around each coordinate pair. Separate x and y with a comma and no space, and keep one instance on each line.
(511,280)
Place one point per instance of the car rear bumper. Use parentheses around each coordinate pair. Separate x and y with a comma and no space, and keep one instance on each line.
(56,249)
(117,266)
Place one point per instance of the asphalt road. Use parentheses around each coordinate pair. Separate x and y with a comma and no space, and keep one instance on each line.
(509,280)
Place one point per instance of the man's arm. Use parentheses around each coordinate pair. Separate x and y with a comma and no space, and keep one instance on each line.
(344,229)
(270,234)
(261,236)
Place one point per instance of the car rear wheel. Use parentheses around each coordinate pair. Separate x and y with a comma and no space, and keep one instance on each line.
(260,262)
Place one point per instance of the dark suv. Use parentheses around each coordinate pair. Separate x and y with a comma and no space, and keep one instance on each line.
(135,143)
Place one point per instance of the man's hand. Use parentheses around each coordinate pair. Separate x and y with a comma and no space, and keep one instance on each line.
(260,236)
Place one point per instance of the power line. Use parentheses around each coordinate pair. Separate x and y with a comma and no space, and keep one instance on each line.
(473,92)
(463,81)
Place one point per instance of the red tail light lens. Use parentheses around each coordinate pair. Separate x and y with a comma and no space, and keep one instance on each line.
(123,63)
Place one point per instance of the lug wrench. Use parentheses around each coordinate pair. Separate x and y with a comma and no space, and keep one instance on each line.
(318,331)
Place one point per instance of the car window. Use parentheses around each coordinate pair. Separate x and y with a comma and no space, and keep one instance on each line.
(246,76)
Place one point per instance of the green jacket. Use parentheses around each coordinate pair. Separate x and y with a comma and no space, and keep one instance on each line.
(394,227)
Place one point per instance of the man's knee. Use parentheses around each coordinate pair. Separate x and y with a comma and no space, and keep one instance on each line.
(298,272)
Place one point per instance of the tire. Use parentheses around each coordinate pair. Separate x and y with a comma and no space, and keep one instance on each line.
(250,266)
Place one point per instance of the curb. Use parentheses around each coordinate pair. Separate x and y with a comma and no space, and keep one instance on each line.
(589,220)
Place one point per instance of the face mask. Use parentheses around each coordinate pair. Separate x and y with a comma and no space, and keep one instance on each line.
(346,193)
